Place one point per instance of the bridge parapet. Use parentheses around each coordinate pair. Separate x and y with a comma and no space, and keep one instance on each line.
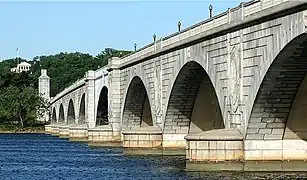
(232,18)
(67,90)
(101,72)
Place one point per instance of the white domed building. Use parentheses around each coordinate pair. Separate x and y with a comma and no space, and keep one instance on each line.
(23,66)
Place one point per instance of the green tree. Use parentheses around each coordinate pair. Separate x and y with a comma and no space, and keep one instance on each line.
(20,104)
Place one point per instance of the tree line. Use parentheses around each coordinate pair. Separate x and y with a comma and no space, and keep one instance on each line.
(19,99)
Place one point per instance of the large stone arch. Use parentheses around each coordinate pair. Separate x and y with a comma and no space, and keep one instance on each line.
(81,119)
(193,105)
(61,118)
(102,108)
(53,116)
(279,108)
(137,110)
(71,112)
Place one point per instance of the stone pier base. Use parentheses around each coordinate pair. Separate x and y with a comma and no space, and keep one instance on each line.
(223,149)
(54,129)
(104,136)
(78,132)
(144,140)
(64,131)
(275,155)
(215,150)
(48,129)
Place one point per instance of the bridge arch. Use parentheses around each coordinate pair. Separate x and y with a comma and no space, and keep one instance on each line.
(53,116)
(137,107)
(61,114)
(102,108)
(280,110)
(193,105)
(81,119)
(71,112)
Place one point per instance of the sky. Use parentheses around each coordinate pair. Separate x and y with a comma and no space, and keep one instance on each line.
(50,27)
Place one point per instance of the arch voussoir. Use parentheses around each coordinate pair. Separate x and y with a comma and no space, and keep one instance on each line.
(277,93)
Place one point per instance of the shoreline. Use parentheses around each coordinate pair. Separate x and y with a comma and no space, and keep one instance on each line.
(21,132)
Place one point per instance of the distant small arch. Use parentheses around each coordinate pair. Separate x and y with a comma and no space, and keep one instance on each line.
(71,112)
(82,110)
(102,108)
(53,116)
(61,114)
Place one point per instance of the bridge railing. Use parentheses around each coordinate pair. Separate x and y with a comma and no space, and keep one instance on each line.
(98,73)
(232,14)
(101,72)
(68,89)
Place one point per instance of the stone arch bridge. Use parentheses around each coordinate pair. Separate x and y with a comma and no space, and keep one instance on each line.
(229,88)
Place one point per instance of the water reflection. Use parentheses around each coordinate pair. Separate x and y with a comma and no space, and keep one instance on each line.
(30,156)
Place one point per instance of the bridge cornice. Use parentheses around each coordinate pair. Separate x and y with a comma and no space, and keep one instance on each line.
(69,89)
(214,27)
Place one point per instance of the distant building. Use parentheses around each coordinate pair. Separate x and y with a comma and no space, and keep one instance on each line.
(23,66)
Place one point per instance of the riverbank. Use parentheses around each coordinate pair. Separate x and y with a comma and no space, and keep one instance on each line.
(5,129)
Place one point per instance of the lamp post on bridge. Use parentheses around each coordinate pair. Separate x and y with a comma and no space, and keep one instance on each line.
(210,10)
(134,46)
(179,26)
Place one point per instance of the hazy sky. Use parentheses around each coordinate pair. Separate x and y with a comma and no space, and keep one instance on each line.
(50,27)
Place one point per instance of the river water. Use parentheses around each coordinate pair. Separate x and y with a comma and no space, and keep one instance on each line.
(39,156)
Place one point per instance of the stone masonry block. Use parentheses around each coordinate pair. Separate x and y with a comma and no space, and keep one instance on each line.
(232,145)
(273,136)
(268,155)
(250,155)
(265,131)
(203,154)
(252,130)
(269,144)
(202,144)
(278,131)
(256,120)
(267,120)
(212,145)
(254,136)
(275,125)
(257,125)
(220,145)
(257,115)
(144,137)
(294,155)
(294,144)
(193,144)
(133,137)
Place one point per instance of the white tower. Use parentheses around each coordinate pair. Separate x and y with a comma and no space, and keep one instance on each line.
(44,92)
(44,85)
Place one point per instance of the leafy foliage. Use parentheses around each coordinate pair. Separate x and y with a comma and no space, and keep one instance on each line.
(19,104)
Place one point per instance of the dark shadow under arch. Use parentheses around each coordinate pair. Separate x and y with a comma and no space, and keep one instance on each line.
(61,114)
(193,106)
(81,119)
(71,113)
(102,109)
(53,117)
(278,111)
(137,110)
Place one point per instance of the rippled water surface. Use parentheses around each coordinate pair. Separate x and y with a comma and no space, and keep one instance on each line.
(38,156)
